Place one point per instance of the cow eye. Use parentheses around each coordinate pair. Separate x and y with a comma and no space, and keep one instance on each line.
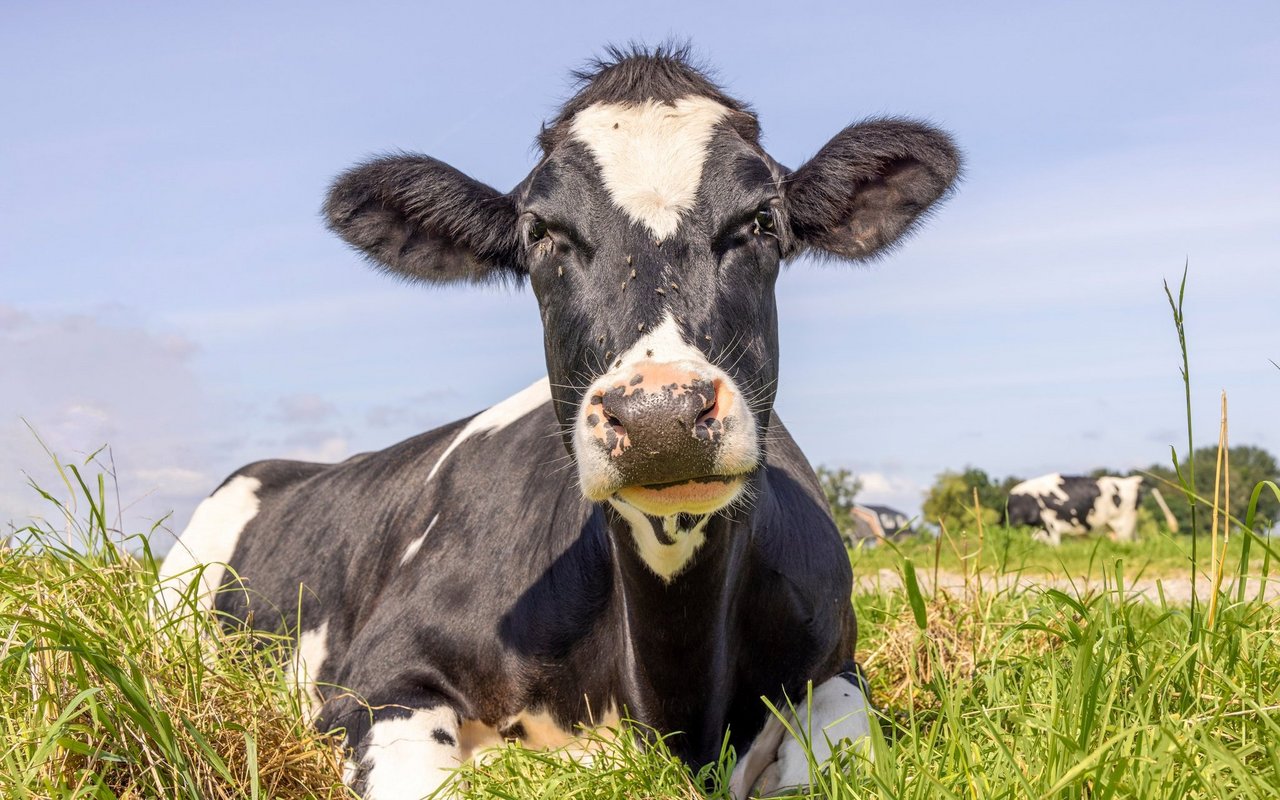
(764,222)
(536,231)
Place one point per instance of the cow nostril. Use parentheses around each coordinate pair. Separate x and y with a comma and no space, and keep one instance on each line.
(615,423)
(707,414)
(710,405)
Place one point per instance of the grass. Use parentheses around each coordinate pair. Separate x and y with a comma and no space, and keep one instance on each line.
(103,696)
(1006,551)
(1012,692)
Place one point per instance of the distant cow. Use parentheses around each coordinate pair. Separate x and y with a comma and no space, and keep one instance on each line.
(1073,504)
(877,522)
(634,533)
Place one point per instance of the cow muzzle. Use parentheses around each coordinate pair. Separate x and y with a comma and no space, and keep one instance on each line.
(667,438)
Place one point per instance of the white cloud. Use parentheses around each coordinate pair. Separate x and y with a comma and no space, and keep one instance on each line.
(328,449)
(81,382)
(303,408)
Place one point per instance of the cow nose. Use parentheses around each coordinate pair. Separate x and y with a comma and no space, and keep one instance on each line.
(661,422)
(651,415)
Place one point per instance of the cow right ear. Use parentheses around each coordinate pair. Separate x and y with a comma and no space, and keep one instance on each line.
(870,186)
(422,219)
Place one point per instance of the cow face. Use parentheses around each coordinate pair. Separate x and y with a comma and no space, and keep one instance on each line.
(652,231)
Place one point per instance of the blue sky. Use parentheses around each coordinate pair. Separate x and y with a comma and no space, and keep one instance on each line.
(166,285)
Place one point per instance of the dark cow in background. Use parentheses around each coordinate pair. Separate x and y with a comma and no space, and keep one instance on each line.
(464,587)
(1072,504)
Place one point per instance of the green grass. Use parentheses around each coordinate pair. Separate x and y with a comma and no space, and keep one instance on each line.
(1014,692)
(1156,554)
(102,696)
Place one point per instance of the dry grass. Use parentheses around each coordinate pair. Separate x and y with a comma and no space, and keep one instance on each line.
(101,695)
(965,630)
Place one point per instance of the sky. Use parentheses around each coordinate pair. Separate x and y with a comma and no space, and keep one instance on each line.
(167,287)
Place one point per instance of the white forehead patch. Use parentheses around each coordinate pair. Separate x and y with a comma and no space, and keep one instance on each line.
(650,155)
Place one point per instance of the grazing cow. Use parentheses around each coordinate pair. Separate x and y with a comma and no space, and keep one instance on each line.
(874,523)
(463,587)
(1073,504)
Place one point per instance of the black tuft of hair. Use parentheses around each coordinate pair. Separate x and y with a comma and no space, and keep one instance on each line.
(635,73)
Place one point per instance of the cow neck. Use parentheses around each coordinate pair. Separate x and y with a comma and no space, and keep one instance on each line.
(677,631)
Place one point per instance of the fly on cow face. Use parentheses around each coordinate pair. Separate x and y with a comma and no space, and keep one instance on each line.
(651,232)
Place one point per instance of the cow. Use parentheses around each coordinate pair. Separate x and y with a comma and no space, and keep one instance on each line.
(1059,504)
(634,535)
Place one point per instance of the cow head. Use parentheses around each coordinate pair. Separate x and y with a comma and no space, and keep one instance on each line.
(652,230)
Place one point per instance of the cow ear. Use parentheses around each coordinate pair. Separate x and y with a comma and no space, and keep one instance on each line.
(869,186)
(422,219)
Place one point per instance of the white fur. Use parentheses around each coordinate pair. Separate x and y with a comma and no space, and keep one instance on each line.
(1044,486)
(1123,519)
(416,544)
(210,539)
(666,560)
(650,155)
(739,449)
(403,761)
(776,761)
(497,417)
(308,659)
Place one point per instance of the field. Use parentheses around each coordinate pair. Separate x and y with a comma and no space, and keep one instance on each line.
(1029,673)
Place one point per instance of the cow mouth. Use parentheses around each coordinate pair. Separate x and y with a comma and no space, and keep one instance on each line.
(702,495)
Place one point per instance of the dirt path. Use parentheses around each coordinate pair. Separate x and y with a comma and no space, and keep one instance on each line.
(1176,588)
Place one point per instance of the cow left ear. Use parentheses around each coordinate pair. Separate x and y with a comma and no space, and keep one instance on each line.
(868,187)
(424,220)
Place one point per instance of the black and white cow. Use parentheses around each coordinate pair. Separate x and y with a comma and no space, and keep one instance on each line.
(464,587)
(1073,504)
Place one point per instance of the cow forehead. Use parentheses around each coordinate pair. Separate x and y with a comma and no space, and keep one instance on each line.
(650,155)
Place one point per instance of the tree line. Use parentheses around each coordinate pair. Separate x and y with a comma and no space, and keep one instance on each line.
(951,499)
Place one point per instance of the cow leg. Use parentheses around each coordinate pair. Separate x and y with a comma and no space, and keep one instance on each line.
(402,752)
(1124,526)
(1048,535)
(777,762)
(1052,528)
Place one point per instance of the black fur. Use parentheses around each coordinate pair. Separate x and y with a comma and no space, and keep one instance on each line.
(423,219)
(870,185)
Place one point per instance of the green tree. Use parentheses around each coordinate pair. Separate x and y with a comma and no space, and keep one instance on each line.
(841,487)
(950,499)
(1249,465)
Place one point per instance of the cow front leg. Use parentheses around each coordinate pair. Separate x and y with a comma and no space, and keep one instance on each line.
(777,762)
(402,752)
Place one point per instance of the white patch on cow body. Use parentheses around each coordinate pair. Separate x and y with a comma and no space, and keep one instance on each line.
(499,416)
(1122,517)
(739,450)
(308,659)
(666,560)
(416,544)
(650,155)
(1044,486)
(403,759)
(210,540)
(775,762)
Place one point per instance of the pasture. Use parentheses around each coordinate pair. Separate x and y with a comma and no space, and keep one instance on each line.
(994,686)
